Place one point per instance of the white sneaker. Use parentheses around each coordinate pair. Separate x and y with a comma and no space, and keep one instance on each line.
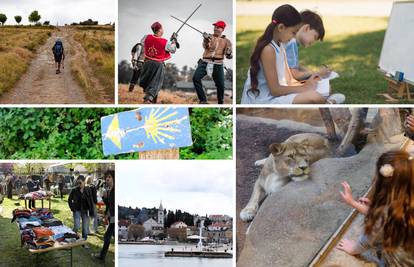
(336,99)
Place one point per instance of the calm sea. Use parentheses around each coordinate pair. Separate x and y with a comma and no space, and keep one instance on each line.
(153,256)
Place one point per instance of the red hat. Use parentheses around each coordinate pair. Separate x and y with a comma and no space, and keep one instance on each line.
(220,24)
(156,26)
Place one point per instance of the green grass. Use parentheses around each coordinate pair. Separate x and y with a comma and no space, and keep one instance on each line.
(12,254)
(351,47)
(17,47)
(99,45)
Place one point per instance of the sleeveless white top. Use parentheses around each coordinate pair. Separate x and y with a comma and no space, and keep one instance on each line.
(283,75)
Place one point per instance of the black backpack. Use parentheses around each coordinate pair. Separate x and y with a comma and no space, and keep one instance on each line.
(58,48)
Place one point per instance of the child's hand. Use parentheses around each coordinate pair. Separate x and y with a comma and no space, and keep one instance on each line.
(347,245)
(324,72)
(364,201)
(312,82)
(409,122)
(347,194)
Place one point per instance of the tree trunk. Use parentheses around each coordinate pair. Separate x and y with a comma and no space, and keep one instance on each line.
(329,124)
(341,117)
(353,135)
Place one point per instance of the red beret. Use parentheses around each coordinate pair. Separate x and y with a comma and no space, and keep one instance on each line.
(156,26)
(220,24)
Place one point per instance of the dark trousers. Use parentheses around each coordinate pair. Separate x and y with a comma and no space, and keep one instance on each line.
(152,77)
(61,192)
(110,232)
(218,77)
(135,76)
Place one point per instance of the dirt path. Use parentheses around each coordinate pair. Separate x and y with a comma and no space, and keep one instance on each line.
(41,85)
(165,96)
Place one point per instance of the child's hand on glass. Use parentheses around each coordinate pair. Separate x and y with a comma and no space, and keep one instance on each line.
(347,194)
(348,246)
(364,201)
(409,122)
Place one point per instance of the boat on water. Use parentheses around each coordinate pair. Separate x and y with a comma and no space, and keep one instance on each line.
(200,254)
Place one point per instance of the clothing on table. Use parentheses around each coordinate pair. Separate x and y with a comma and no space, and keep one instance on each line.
(51,222)
(36,230)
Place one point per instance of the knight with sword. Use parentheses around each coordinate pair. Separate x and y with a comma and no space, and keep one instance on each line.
(216,48)
(149,67)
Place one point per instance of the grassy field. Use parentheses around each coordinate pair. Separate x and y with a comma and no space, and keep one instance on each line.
(17,47)
(165,96)
(14,255)
(99,44)
(351,47)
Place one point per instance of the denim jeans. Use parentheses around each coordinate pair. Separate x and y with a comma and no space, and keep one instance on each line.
(77,215)
(94,220)
(218,78)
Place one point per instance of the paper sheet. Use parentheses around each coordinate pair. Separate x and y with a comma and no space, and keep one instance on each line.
(323,85)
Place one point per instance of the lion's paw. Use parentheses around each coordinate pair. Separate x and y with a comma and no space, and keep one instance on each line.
(247,214)
(260,162)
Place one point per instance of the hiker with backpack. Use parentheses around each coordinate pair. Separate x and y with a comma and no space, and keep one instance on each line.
(59,55)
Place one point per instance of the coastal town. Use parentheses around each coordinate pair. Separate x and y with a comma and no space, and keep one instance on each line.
(157,226)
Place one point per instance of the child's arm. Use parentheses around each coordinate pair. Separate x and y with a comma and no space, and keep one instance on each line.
(301,73)
(362,205)
(268,59)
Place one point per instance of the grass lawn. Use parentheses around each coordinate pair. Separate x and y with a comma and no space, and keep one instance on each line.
(351,47)
(12,254)
(99,44)
(17,47)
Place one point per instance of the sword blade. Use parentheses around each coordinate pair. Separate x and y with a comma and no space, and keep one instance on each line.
(188,18)
(185,23)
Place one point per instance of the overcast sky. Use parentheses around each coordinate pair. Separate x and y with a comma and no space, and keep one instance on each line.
(198,187)
(60,11)
(135,19)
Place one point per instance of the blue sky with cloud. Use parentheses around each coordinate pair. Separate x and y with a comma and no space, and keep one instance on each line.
(195,186)
(136,17)
(60,11)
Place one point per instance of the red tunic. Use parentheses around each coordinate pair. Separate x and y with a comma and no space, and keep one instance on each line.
(155,48)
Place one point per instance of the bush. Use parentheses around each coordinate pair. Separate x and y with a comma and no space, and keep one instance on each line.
(212,133)
(75,133)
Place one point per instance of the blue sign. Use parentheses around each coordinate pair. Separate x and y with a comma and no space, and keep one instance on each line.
(146,129)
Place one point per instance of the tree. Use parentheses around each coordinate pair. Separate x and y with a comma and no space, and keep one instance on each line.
(124,72)
(171,75)
(34,17)
(18,19)
(3,18)
(136,231)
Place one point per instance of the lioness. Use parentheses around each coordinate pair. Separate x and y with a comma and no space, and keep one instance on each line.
(289,160)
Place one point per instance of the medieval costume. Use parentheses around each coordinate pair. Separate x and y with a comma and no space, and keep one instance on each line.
(156,50)
(216,47)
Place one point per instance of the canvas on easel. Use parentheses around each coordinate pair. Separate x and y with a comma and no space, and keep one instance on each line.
(397,57)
